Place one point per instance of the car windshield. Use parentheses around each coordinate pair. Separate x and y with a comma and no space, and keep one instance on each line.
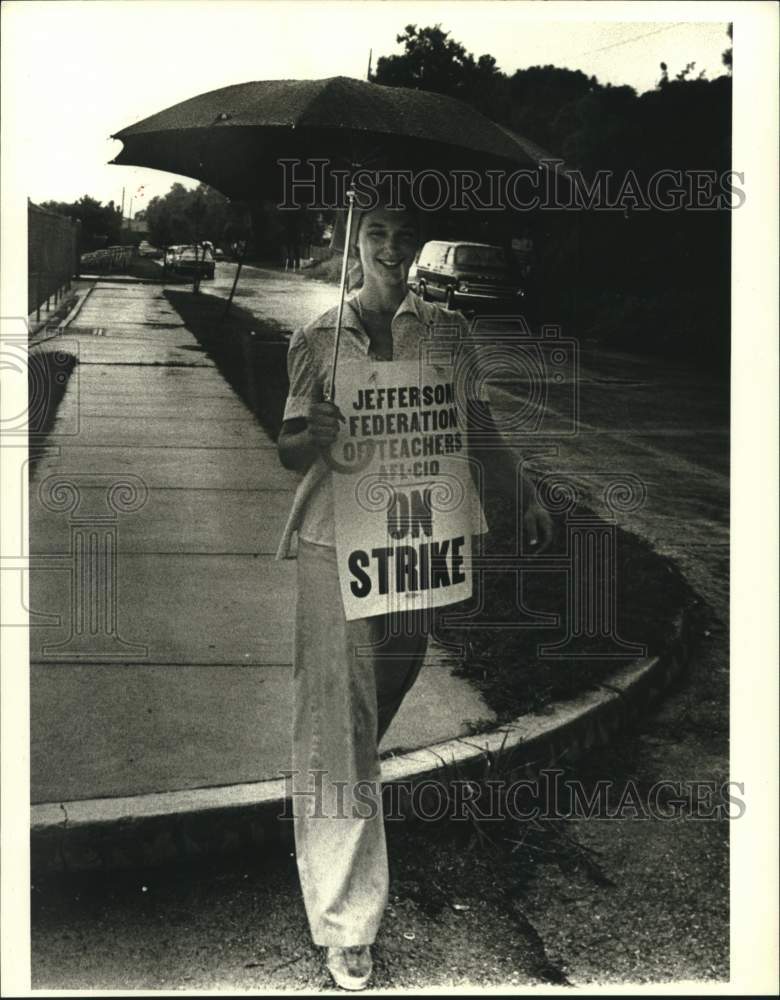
(480,257)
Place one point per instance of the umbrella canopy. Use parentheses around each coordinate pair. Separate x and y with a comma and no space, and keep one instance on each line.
(232,138)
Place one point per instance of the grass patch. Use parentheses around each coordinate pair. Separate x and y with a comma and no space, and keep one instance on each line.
(53,320)
(325,270)
(504,658)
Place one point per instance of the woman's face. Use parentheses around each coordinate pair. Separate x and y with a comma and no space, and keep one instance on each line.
(387,241)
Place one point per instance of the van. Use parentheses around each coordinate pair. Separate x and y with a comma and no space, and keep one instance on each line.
(460,273)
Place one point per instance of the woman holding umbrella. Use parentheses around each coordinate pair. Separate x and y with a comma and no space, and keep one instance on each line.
(350,677)
(234,139)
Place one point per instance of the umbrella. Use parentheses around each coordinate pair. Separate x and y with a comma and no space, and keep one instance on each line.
(233,138)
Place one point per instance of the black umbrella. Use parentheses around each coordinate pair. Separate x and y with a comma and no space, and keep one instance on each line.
(233,138)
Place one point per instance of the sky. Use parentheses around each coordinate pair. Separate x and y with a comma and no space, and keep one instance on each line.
(75,72)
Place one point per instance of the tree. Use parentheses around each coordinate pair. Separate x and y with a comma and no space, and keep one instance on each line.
(100,224)
(434,62)
(727,55)
(625,274)
(532,101)
(542,103)
(184,216)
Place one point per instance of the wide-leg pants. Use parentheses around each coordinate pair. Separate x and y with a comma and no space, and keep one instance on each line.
(349,680)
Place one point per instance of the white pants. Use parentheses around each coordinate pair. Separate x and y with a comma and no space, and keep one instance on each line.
(349,680)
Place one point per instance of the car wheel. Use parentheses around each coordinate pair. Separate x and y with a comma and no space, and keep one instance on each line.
(450,299)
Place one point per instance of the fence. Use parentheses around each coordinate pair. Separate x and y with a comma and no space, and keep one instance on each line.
(52,256)
(104,261)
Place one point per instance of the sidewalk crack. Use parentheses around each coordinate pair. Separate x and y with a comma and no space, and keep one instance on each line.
(63,828)
(547,969)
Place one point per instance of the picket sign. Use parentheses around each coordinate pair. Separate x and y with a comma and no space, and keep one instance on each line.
(404,500)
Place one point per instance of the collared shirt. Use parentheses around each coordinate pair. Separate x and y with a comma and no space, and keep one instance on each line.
(309,359)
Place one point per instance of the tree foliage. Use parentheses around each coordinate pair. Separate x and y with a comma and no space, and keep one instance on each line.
(727,55)
(434,62)
(184,216)
(100,224)
(589,261)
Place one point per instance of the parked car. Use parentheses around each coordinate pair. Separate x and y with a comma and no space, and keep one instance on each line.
(461,273)
(219,254)
(411,278)
(146,249)
(170,255)
(187,260)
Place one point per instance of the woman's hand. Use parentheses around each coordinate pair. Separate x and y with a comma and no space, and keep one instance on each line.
(302,440)
(323,423)
(538,526)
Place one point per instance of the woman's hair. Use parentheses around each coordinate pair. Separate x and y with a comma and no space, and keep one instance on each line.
(355,273)
(420,218)
(412,212)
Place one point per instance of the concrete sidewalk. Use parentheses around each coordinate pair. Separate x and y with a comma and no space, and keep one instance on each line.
(161,625)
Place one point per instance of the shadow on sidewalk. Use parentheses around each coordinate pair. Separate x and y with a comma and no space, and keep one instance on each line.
(48,374)
(250,353)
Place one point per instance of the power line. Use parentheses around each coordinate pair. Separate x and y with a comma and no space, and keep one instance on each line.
(627,41)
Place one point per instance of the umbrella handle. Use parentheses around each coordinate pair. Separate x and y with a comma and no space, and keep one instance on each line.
(331,389)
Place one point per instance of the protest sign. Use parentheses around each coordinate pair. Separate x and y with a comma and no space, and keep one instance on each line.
(405,504)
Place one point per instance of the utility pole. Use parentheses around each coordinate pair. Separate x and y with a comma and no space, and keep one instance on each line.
(368,74)
(123,204)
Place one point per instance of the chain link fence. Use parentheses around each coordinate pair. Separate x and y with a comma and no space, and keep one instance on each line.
(52,256)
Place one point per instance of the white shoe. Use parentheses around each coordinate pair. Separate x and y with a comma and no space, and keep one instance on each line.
(350,967)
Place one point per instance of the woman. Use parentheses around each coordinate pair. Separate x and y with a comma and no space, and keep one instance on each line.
(350,677)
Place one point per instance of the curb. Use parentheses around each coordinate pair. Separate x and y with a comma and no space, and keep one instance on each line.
(120,279)
(131,279)
(166,827)
(56,331)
